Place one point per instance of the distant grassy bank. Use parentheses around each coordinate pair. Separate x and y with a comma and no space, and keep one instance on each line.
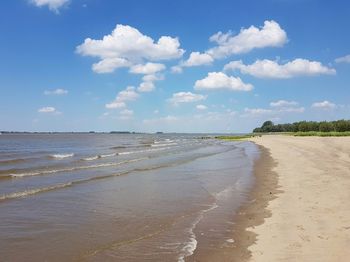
(314,133)
(240,137)
(309,133)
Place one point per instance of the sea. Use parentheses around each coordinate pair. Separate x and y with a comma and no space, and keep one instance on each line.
(120,197)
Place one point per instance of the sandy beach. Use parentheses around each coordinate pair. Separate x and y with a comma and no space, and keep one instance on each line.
(305,210)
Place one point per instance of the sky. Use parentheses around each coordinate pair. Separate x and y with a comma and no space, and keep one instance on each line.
(194,66)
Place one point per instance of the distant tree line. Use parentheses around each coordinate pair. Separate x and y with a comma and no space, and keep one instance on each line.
(305,126)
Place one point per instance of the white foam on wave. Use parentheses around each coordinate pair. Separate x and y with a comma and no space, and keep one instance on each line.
(164,144)
(43,172)
(191,245)
(143,151)
(61,156)
(33,191)
(91,158)
(224,194)
(99,156)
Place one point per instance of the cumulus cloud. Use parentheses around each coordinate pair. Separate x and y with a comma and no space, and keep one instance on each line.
(49,109)
(270,35)
(53,5)
(277,108)
(286,106)
(57,91)
(161,120)
(292,109)
(152,78)
(197,59)
(127,46)
(126,114)
(146,87)
(201,107)
(148,82)
(186,97)
(176,69)
(108,65)
(219,80)
(123,96)
(147,69)
(283,103)
(324,105)
(271,69)
(258,111)
(343,59)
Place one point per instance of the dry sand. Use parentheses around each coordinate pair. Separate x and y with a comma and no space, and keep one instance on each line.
(307,217)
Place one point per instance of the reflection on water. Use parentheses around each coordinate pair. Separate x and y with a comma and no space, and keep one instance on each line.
(113,197)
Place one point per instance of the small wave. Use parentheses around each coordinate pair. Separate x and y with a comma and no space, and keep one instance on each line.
(99,156)
(33,191)
(28,192)
(143,151)
(118,147)
(164,144)
(91,158)
(191,245)
(14,161)
(45,172)
(61,156)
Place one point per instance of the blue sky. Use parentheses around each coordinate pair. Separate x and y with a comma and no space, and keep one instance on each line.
(172,66)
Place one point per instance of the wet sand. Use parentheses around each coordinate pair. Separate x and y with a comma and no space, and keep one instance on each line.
(303,214)
(252,212)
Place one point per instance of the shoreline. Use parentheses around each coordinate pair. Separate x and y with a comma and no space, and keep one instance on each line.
(252,212)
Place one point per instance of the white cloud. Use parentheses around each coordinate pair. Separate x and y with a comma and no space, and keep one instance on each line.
(161,120)
(186,97)
(116,104)
(219,80)
(324,105)
(128,94)
(343,59)
(271,69)
(126,114)
(128,45)
(152,78)
(258,111)
(283,103)
(176,69)
(49,109)
(108,65)
(201,107)
(278,108)
(146,87)
(270,35)
(292,109)
(197,59)
(57,91)
(53,5)
(148,82)
(147,69)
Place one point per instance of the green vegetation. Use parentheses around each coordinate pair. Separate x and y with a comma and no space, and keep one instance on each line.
(308,127)
(234,137)
(313,133)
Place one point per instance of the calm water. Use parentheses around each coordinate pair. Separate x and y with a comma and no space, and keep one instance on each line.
(113,197)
